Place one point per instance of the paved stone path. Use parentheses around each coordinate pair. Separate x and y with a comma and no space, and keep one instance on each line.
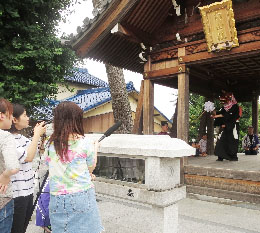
(201,215)
(195,216)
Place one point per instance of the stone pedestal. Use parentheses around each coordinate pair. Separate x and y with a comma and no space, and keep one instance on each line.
(162,173)
(152,206)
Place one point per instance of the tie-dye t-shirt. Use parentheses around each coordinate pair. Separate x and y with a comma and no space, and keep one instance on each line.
(71,176)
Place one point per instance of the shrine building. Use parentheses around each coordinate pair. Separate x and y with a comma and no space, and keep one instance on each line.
(194,46)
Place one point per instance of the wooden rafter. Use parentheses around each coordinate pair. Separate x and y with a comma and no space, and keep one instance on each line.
(135,34)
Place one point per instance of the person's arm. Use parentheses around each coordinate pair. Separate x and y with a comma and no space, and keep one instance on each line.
(93,166)
(12,166)
(5,179)
(91,152)
(256,143)
(39,130)
(244,144)
(217,116)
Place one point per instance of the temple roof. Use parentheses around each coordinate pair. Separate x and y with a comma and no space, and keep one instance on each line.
(116,45)
(82,76)
(128,33)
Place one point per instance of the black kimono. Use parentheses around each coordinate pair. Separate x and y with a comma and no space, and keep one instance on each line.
(227,142)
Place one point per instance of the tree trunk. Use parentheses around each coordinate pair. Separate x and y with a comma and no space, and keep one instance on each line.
(120,102)
(121,108)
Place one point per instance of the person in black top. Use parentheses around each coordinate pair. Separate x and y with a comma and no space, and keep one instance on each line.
(227,119)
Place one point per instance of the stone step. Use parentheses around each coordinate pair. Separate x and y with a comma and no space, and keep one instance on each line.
(226,194)
(242,186)
(239,185)
(224,201)
(222,172)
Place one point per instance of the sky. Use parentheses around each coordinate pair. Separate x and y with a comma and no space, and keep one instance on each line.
(164,98)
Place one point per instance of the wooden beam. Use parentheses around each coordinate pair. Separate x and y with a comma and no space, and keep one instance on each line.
(139,110)
(165,72)
(122,31)
(102,26)
(148,107)
(136,34)
(255,110)
(199,46)
(205,57)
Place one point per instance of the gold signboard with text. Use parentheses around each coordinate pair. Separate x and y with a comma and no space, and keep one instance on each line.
(219,25)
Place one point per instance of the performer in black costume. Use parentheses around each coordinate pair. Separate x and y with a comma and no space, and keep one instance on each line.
(227,118)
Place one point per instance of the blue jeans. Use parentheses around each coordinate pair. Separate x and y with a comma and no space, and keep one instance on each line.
(6,217)
(75,213)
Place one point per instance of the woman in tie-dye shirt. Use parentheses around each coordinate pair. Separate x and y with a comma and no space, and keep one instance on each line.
(72,157)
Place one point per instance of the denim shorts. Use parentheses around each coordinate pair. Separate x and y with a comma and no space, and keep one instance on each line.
(75,213)
(6,217)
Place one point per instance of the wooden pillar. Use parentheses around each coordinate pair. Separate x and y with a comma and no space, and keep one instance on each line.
(138,122)
(183,107)
(173,131)
(210,134)
(183,111)
(148,102)
(148,107)
(210,130)
(255,114)
(202,126)
(183,103)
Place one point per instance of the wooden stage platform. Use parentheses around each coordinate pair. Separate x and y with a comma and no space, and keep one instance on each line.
(238,180)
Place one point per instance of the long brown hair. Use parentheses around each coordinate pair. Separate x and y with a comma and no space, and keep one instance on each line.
(68,119)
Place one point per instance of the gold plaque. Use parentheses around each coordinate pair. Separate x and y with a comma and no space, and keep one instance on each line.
(219,26)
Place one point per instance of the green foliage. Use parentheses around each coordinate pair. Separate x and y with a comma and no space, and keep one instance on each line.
(32,59)
(196,107)
(244,121)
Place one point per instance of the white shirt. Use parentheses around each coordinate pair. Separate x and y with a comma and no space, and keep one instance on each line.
(23,181)
(8,161)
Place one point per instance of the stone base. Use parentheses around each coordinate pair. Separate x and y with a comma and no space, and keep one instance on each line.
(138,194)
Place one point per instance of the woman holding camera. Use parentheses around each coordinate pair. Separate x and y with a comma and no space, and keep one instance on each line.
(23,181)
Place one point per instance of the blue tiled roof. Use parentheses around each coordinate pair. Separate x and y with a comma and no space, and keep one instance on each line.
(81,75)
(86,100)
(163,115)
